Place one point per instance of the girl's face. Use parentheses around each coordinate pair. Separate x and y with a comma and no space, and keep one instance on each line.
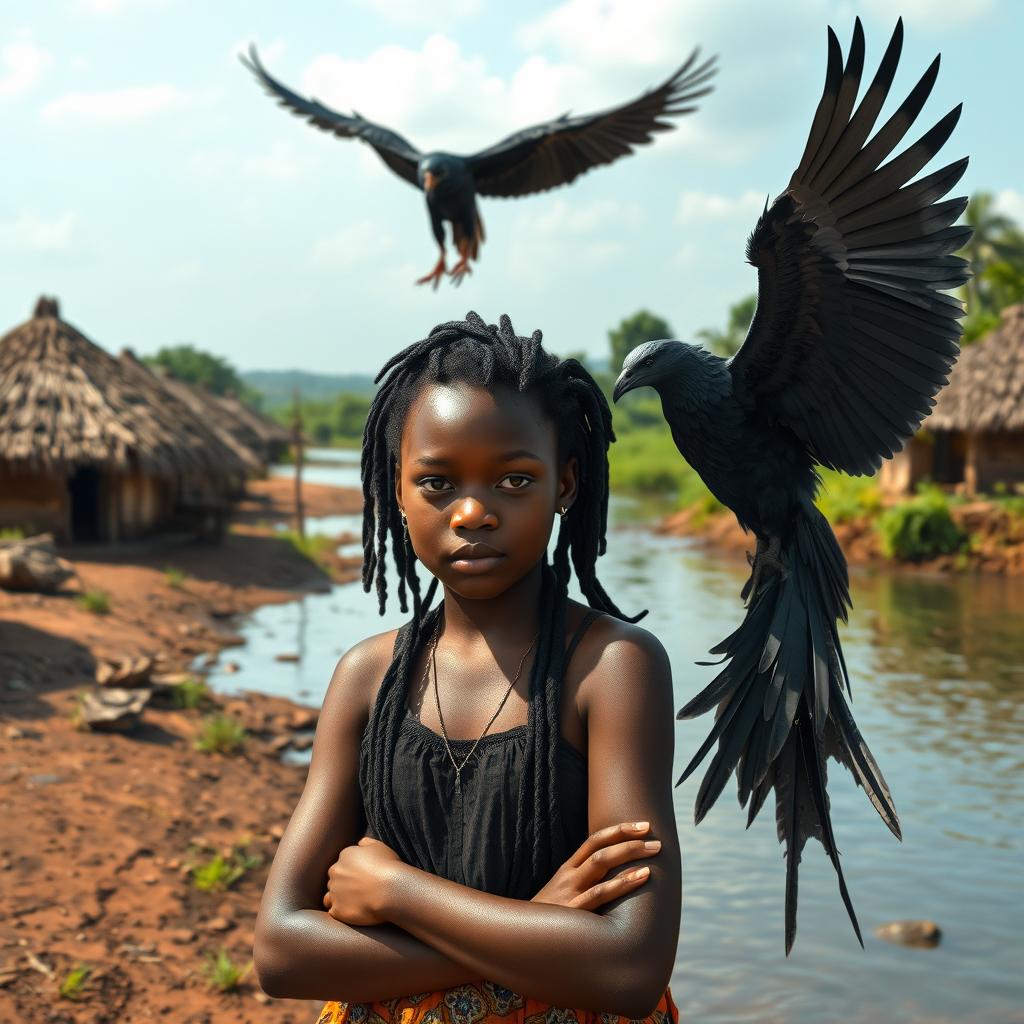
(480,483)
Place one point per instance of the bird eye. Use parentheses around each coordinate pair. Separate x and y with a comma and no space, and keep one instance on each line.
(649,361)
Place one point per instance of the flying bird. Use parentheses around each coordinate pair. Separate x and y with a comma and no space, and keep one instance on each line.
(851,339)
(532,160)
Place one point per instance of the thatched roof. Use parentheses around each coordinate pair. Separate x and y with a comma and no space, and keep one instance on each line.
(64,402)
(986,388)
(268,430)
(245,444)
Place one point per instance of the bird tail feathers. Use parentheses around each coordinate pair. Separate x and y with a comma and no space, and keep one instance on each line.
(781,712)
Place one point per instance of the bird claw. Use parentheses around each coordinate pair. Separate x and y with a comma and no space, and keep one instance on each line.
(435,275)
(767,556)
(459,271)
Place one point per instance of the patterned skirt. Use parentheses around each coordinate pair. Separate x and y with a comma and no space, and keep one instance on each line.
(480,1003)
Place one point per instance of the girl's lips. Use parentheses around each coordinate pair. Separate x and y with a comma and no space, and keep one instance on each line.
(476,566)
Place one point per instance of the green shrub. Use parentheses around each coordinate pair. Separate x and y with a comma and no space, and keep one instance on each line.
(220,734)
(647,461)
(175,578)
(313,546)
(222,973)
(12,533)
(73,985)
(95,601)
(844,498)
(190,693)
(920,528)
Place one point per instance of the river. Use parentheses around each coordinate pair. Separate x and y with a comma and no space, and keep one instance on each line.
(937,668)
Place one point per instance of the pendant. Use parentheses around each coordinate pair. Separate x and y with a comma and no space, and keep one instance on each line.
(458,784)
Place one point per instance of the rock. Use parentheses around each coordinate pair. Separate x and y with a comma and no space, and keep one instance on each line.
(304,719)
(261,997)
(218,924)
(129,674)
(181,936)
(113,710)
(276,831)
(288,657)
(924,934)
(302,741)
(229,668)
(12,732)
(279,743)
(33,564)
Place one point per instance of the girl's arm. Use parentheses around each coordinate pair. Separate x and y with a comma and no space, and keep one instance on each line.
(619,960)
(300,951)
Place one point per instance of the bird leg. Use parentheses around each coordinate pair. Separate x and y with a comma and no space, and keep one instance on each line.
(462,267)
(436,274)
(767,556)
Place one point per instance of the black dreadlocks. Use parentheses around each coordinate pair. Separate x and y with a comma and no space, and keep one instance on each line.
(483,355)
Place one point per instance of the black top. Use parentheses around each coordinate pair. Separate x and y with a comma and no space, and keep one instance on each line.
(469,837)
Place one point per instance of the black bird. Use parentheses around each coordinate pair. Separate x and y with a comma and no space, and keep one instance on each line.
(533,160)
(851,338)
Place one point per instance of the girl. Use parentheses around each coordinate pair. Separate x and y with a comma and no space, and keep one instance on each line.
(482,768)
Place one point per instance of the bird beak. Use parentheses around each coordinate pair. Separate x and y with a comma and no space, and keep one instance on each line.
(429,181)
(625,383)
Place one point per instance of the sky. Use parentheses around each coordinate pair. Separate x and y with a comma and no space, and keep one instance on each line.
(162,196)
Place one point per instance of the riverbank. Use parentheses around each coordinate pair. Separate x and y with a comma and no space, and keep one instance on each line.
(991,537)
(114,835)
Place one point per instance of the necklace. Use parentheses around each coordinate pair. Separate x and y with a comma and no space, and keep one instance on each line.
(432,663)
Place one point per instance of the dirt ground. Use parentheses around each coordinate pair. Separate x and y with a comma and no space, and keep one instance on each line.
(998,545)
(101,830)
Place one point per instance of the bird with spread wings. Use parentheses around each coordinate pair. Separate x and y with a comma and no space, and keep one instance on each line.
(851,339)
(532,160)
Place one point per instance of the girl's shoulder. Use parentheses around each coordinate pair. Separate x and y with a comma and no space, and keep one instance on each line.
(612,654)
(359,673)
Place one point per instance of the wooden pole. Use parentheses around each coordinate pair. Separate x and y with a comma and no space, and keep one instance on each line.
(971,464)
(300,513)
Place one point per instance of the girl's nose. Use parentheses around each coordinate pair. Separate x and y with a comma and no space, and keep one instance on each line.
(471,514)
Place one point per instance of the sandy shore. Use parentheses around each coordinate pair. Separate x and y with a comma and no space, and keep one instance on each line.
(102,829)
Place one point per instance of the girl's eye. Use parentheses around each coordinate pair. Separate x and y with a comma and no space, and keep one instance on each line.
(518,481)
(430,483)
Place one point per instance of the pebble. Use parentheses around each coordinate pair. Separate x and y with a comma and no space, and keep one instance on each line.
(218,924)
(289,657)
(924,934)
(182,936)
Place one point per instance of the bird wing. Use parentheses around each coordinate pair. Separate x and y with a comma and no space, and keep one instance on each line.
(852,336)
(556,152)
(400,155)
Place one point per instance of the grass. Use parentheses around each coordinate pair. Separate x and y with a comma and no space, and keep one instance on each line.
(74,983)
(646,461)
(175,578)
(313,546)
(220,872)
(222,973)
(95,601)
(844,498)
(220,734)
(190,693)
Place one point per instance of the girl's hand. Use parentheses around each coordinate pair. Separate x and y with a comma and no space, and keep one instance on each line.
(355,881)
(579,882)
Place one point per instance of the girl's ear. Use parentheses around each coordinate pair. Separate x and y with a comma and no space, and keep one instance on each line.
(568,482)
(398,484)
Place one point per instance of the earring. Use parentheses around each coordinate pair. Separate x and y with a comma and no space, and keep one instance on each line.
(562,511)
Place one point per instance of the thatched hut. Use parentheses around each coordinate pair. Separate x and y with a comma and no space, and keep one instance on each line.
(255,438)
(974,437)
(91,448)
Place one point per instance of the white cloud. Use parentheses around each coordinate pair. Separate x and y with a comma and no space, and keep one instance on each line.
(709,208)
(117,105)
(1010,202)
(29,232)
(929,16)
(354,246)
(109,8)
(22,65)
(282,163)
(410,13)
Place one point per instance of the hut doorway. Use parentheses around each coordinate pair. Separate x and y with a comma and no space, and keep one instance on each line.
(84,490)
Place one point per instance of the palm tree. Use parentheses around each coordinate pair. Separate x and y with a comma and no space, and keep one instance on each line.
(996,238)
